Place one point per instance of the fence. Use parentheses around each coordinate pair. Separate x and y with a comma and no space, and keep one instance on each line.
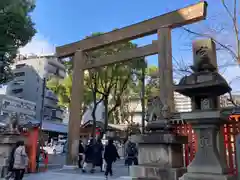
(230,131)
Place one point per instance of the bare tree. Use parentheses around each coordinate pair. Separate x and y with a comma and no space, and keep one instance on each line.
(92,84)
(230,9)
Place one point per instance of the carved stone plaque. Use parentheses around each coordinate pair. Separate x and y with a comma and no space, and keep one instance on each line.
(204,141)
(204,78)
(205,47)
(205,104)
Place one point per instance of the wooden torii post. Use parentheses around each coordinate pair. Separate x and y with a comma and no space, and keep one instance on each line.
(161,25)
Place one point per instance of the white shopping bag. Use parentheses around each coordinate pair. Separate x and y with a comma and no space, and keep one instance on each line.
(85,165)
(104,165)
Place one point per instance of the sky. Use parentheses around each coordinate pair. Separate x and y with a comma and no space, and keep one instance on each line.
(59,22)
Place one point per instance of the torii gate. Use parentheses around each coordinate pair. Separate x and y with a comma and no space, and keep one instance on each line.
(161,25)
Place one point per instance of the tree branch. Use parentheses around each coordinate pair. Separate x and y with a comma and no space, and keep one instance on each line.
(231,99)
(118,98)
(217,42)
(235,25)
(111,83)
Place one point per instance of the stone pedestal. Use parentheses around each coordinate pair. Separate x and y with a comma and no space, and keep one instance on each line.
(207,164)
(7,141)
(160,157)
(204,176)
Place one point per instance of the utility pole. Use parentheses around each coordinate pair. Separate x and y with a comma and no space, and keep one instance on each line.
(42,103)
(41,121)
(143,98)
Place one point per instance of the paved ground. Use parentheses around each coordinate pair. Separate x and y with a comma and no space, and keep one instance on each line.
(119,170)
(66,176)
(55,161)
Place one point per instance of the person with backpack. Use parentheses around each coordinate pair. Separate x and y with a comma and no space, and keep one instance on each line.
(132,153)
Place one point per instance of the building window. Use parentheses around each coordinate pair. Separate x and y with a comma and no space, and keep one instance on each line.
(19,74)
(19,82)
(20,65)
(5,104)
(17,90)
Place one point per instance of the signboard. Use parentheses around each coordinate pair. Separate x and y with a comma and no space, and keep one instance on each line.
(19,106)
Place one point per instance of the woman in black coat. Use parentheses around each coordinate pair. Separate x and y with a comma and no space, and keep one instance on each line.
(98,150)
(89,155)
(110,156)
(80,154)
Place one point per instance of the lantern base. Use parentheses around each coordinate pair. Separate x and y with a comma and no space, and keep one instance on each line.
(207,163)
(7,142)
(200,176)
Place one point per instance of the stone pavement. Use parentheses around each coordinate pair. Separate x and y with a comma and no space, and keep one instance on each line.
(120,172)
(69,176)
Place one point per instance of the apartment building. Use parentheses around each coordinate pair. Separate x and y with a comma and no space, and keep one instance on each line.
(45,66)
(134,107)
(28,83)
(182,103)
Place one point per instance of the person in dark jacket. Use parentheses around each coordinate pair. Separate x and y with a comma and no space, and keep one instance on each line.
(10,173)
(80,154)
(89,156)
(98,153)
(110,156)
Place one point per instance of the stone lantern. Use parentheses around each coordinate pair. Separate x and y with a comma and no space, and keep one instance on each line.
(204,86)
(8,139)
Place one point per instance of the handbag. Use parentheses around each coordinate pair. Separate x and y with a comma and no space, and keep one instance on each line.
(23,158)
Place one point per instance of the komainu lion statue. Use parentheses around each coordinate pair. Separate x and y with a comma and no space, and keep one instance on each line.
(13,123)
(156,110)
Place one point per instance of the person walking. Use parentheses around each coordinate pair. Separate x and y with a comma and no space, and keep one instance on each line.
(110,156)
(20,161)
(98,154)
(10,173)
(89,156)
(80,154)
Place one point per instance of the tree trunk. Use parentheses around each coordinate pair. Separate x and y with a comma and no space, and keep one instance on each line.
(143,99)
(93,133)
(106,114)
